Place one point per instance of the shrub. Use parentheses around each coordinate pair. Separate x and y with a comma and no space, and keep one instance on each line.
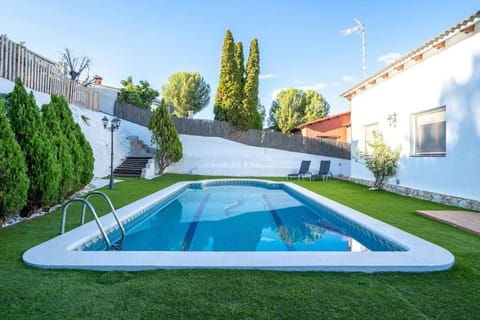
(139,95)
(382,161)
(165,136)
(14,181)
(40,153)
(53,123)
(80,149)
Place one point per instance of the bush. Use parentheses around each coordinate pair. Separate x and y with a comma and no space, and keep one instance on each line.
(54,125)
(382,161)
(165,136)
(80,149)
(139,95)
(35,142)
(14,181)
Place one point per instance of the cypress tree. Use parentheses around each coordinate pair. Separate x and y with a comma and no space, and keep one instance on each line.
(30,132)
(250,117)
(235,111)
(225,97)
(88,162)
(14,181)
(80,149)
(51,118)
(165,136)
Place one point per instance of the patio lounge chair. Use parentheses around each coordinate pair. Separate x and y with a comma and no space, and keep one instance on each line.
(323,172)
(304,167)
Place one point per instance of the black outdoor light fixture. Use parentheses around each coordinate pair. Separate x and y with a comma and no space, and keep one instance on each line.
(114,124)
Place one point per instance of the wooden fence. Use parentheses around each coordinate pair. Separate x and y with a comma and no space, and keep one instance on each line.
(256,138)
(41,74)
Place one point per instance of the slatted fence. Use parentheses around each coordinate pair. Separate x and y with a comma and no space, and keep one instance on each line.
(43,75)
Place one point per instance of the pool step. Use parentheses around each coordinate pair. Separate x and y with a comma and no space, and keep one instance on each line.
(131,167)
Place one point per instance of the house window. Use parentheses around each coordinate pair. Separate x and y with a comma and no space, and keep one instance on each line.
(369,130)
(429,133)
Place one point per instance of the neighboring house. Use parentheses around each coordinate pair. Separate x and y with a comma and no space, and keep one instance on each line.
(335,127)
(107,95)
(428,104)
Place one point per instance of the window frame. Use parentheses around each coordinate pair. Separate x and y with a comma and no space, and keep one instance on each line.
(413,132)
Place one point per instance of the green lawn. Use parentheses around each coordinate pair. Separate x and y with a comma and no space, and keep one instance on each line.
(27,293)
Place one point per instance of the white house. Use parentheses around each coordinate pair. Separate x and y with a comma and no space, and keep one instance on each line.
(107,95)
(427,103)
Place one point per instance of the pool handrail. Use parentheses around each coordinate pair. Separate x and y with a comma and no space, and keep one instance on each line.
(120,225)
(92,210)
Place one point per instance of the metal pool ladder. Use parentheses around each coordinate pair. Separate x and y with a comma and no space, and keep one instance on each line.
(87,203)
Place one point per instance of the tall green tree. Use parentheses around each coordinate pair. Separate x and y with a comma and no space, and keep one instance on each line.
(229,90)
(251,117)
(293,107)
(14,181)
(290,110)
(141,95)
(187,92)
(88,162)
(316,106)
(64,158)
(42,167)
(78,145)
(240,64)
(165,137)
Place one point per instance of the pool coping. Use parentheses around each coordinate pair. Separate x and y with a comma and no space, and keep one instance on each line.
(419,255)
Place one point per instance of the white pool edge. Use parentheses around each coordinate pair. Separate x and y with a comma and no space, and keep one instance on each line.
(420,256)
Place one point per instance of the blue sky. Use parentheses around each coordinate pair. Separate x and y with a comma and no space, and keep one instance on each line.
(301,44)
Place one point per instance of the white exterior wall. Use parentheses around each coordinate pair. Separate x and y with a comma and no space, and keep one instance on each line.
(450,78)
(221,157)
(107,97)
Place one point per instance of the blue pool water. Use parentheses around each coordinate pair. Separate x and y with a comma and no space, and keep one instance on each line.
(243,216)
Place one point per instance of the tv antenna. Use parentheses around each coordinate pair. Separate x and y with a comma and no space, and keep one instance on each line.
(360,29)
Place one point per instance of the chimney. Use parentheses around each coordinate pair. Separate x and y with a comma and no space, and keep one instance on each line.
(97,80)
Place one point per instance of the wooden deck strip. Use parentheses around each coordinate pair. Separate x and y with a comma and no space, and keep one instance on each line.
(465,220)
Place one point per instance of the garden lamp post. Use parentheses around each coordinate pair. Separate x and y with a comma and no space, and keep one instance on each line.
(114,124)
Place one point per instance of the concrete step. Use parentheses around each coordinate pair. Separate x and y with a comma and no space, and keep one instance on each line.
(131,167)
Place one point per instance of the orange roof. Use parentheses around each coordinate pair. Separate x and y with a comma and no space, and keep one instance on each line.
(303,125)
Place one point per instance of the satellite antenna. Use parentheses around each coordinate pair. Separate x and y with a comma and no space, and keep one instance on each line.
(360,29)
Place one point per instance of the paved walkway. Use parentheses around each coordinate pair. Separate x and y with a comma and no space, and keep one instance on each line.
(465,220)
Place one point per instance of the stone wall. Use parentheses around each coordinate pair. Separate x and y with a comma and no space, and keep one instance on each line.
(425,195)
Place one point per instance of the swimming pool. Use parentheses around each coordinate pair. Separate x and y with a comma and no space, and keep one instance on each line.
(240,224)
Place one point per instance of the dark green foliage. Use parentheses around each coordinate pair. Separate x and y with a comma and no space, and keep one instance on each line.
(80,149)
(187,92)
(88,162)
(40,152)
(14,181)
(236,100)
(165,136)
(230,90)
(53,123)
(259,117)
(251,117)
(139,95)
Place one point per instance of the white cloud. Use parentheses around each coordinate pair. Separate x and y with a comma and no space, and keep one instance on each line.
(347,78)
(267,76)
(389,57)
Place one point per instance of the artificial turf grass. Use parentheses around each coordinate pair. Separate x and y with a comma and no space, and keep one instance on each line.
(204,294)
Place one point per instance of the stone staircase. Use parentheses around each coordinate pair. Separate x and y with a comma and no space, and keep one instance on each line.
(140,163)
(131,167)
